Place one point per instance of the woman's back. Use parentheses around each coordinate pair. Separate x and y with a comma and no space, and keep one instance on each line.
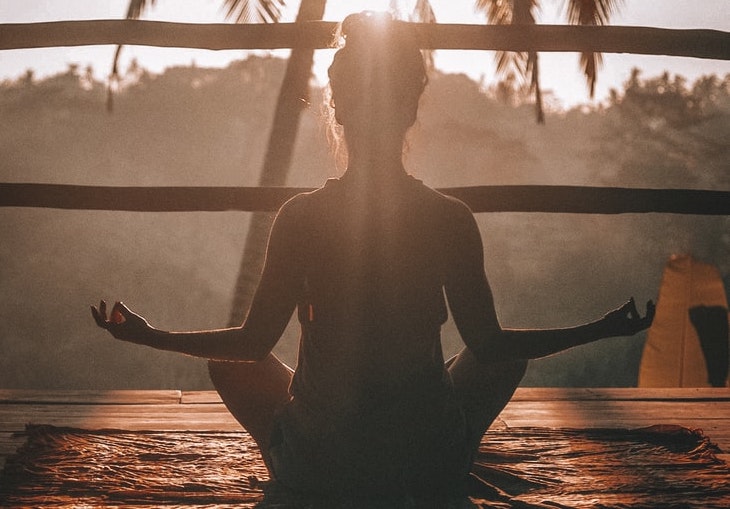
(372,300)
(370,380)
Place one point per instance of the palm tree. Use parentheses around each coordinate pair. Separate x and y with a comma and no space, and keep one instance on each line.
(293,96)
(525,65)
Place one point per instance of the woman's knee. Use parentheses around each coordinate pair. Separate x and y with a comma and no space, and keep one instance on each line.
(269,375)
(466,366)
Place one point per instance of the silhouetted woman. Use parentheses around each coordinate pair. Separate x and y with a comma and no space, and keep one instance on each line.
(369,261)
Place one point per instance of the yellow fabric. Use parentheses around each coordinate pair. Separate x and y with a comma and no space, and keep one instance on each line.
(672,354)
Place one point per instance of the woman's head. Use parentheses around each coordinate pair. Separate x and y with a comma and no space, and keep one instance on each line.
(377,78)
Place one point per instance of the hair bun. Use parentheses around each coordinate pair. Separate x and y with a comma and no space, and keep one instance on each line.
(365,26)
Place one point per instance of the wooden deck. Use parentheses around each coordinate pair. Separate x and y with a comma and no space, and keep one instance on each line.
(707,409)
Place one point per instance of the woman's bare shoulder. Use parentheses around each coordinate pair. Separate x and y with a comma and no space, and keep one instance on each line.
(449,206)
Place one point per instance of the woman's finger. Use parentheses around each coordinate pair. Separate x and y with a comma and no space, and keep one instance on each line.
(119,313)
(98,318)
(633,312)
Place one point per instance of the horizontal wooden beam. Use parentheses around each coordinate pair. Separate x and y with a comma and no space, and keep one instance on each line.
(528,198)
(698,43)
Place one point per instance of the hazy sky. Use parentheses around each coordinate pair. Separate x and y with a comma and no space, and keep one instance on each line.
(559,72)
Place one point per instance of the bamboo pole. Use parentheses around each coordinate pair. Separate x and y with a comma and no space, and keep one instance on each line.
(526,198)
(700,43)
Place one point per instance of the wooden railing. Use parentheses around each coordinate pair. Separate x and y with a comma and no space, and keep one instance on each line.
(711,44)
(525,198)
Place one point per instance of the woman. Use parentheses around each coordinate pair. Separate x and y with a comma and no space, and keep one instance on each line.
(367,260)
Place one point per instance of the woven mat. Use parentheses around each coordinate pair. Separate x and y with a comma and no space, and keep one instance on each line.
(662,466)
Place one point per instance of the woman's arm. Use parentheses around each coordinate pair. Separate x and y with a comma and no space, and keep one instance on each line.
(535,343)
(472,306)
(268,316)
(233,343)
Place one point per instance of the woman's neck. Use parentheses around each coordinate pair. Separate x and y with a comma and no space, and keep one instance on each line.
(378,156)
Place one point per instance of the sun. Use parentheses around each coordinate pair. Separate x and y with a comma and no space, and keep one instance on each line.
(447,11)
(337,11)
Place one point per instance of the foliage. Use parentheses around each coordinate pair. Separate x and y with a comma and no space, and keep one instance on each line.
(677,131)
(667,101)
(526,64)
(195,126)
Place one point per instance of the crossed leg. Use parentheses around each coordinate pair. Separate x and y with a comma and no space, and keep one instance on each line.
(254,392)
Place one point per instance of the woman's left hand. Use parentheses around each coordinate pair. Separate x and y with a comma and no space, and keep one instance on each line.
(626,320)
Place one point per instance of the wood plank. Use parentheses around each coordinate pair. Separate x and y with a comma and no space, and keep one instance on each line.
(319,34)
(14,417)
(714,429)
(618,409)
(198,397)
(96,397)
(206,397)
(618,412)
(710,416)
(623,393)
(553,413)
(707,409)
(522,198)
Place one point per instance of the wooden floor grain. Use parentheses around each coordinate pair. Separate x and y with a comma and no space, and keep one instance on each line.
(706,409)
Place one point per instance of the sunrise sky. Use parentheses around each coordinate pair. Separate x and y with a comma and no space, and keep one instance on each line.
(559,72)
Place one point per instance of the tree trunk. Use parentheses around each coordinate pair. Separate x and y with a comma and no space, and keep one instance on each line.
(293,96)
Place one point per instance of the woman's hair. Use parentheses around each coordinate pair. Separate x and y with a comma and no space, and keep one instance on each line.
(380,67)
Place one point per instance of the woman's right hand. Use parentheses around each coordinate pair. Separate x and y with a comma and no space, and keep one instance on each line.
(122,323)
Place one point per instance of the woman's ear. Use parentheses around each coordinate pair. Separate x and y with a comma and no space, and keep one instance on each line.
(409,112)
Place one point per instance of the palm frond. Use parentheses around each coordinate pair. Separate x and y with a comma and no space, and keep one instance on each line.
(510,62)
(499,12)
(591,13)
(525,64)
(510,12)
(242,11)
(137,7)
(258,11)
(590,63)
(423,13)
(134,11)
